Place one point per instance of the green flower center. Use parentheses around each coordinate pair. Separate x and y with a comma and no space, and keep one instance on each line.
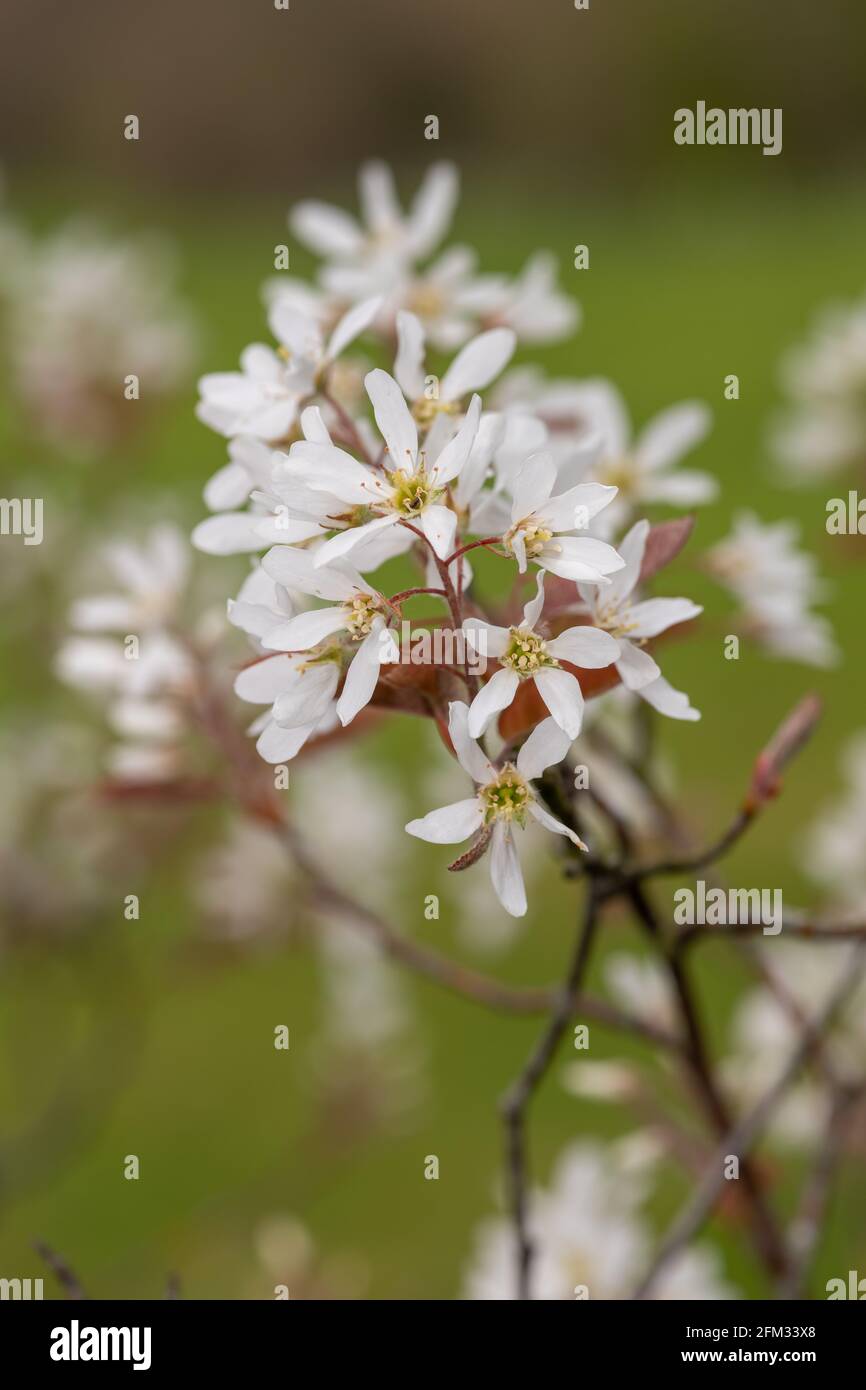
(412,493)
(507,798)
(526,652)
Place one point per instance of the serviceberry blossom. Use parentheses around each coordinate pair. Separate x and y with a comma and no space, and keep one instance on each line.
(632,624)
(776,583)
(264,398)
(524,654)
(592,1239)
(823,429)
(125,649)
(504,797)
(386,233)
(542,526)
(408,489)
(359,612)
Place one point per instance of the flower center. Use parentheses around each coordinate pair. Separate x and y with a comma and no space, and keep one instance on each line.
(615,619)
(360,613)
(526,652)
(427,301)
(412,492)
(535,537)
(621,473)
(507,798)
(425,410)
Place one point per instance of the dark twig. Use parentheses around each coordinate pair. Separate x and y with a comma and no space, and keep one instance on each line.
(515,1102)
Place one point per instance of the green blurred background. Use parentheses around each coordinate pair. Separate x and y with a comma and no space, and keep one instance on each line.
(137,1037)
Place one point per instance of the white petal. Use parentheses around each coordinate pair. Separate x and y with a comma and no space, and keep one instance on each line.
(306,630)
(262,682)
(307,697)
(450,824)
(379,205)
(583,559)
(409,362)
(453,457)
(326,230)
(656,615)
(346,541)
(228,533)
(671,434)
(362,675)
(505,874)
(585,646)
(574,509)
(295,569)
(484,638)
(561,692)
(326,468)
(393,418)
(631,548)
(674,703)
(103,613)
(476,365)
(492,698)
(278,745)
(551,823)
(439,525)
(636,667)
(533,486)
(296,331)
(352,325)
(532,610)
(228,488)
(471,758)
(687,488)
(313,426)
(546,746)
(432,208)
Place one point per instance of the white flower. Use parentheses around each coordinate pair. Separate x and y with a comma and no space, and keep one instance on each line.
(590,1239)
(525,655)
(504,798)
(408,489)
(264,398)
(474,367)
(632,623)
(300,691)
(542,525)
(387,233)
(360,612)
(768,1027)
(85,309)
(825,427)
(835,847)
(143,683)
(532,305)
(775,582)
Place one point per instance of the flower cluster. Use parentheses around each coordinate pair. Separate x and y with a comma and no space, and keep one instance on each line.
(331,484)
(92,323)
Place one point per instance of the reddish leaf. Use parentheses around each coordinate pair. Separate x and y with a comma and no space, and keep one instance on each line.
(664,543)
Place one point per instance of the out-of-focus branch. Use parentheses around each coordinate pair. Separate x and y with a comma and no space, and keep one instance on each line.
(516,1100)
(742,1136)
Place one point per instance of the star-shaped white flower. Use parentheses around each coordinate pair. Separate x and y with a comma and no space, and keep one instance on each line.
(632,623)
(407,489)
(523,654)
(542,526)
(504,798)
(264,398)
(359,611)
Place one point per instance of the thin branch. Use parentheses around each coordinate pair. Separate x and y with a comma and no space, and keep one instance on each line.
(66,1277)
(516,1101)
(742,1136)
